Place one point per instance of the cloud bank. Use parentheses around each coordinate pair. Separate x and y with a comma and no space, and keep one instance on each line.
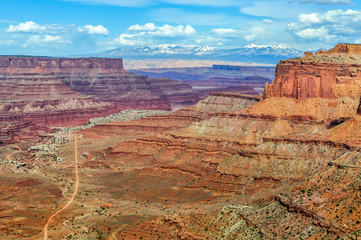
(331,26)
(149,33)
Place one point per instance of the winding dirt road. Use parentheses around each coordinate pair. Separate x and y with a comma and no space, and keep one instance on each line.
(9,156)
(75,190)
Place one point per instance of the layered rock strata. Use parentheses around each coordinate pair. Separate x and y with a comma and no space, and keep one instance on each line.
(290,161)
(23,64)
(230,167)
(218,104)
(326,85)
(38,101)
(69,91)
(103,78)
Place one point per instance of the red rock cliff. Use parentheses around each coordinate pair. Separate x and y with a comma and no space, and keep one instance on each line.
(327,74)
(301,80)
(324,86)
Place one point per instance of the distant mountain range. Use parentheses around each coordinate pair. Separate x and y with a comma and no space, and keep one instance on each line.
(251,53)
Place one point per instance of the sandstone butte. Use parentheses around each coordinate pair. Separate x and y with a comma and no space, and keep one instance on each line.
(41,92)
(232,166)
(324,86)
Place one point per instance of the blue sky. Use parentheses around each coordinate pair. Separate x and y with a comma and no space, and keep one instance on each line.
(71,27)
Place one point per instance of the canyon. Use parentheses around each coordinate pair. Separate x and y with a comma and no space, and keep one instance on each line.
(37,93)
(282,165)
(217,76)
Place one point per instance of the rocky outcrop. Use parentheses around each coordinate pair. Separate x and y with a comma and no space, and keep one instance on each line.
(349,49)
(327,74)
(325,85)
(302,80)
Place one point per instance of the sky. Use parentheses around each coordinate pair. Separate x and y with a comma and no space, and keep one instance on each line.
(74,27)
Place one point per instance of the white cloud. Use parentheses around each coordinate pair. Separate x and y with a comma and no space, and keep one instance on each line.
(146,27)
(128,39)
(254,33)
(169,31)
(224,31)
(163,31)
(312,33)
(47,39)
(310,18)
(56,35)
(332,16)
(96,30)
(189,30)
(150,33)
(267,20)
(29,26)
(32,27)
(334,25)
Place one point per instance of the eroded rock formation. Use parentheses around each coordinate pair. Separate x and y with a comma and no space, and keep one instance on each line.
(20,64)
(325,86)
(52,92)
(292,171)
(38,100)
(233,166)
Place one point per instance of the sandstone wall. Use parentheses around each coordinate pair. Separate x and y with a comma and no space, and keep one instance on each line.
(347,48)
(11,64)
(302,80)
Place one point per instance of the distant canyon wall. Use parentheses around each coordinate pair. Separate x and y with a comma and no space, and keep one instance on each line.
(46,92)
(23,64)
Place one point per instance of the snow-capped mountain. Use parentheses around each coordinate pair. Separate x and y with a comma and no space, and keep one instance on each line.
(275,49)
(249,53)
(160,50)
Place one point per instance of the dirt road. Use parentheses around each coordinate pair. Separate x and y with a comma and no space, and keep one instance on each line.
(9,156)
(75,190)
